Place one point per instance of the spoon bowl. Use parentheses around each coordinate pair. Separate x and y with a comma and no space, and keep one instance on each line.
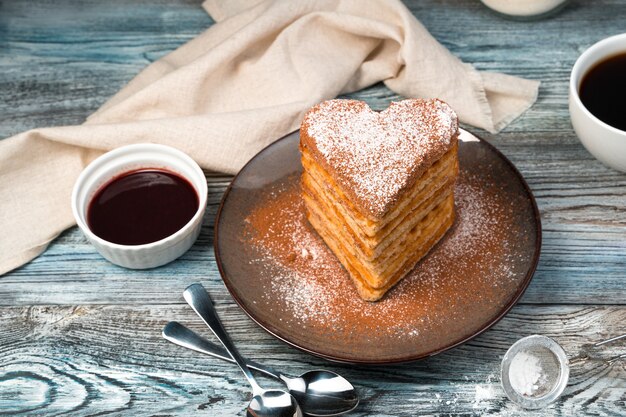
(273,403)
(322,393)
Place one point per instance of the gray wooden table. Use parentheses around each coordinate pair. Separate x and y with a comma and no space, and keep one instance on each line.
(79,336)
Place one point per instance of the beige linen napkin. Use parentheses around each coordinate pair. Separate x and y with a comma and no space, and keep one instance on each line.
(238,86)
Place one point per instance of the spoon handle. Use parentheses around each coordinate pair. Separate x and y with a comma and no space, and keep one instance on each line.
(187,338)
(197,297)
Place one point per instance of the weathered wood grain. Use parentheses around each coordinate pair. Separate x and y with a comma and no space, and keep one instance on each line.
(59,61)
(80,336)
(84,54)
(70,359)
(583,255)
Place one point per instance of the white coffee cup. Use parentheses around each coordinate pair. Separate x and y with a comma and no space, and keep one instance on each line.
(605,142)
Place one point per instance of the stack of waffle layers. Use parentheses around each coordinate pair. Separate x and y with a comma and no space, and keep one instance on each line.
(379,235)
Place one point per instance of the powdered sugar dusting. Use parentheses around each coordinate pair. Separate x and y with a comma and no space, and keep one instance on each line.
(464,281)
(376,155)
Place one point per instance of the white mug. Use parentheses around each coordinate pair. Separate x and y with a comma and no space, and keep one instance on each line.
(605,142)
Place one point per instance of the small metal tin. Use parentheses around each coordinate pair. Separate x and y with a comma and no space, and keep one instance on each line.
(552,359)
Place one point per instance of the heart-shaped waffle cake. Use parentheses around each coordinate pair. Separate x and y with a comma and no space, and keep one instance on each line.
(378,186)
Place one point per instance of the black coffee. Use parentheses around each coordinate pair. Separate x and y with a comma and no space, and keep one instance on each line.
(603,91)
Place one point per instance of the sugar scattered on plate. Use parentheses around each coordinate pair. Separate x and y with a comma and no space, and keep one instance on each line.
(303,280)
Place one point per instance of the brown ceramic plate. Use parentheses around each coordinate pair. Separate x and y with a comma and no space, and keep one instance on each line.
(286,279)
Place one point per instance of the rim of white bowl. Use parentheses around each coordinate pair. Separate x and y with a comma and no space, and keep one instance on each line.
(122,150)
(577,74)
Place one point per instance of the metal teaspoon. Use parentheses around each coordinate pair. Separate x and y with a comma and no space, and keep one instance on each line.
(264,403)
(319,392)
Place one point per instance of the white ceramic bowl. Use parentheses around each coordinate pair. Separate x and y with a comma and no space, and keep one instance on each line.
(605,142)
(129,158)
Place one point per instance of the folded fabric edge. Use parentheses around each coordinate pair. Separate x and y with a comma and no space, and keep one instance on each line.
(8,264)
(220,10)
(481,80)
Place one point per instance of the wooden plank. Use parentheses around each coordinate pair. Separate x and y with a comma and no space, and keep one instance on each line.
(111,359)
(101,350)
(67,57)
(59,61)
(62,62)
(583,258)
